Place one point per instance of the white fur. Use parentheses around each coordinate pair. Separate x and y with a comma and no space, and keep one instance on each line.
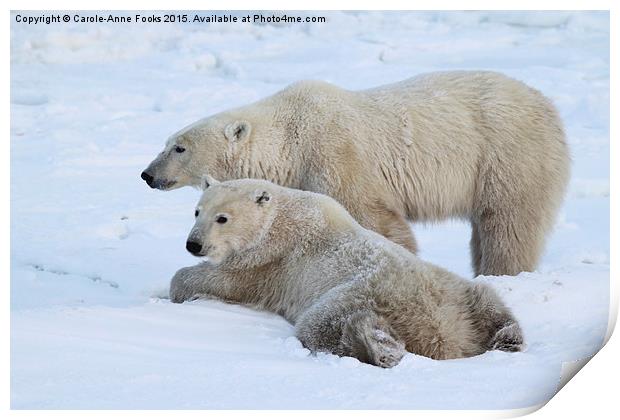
(472,145)
(348,290)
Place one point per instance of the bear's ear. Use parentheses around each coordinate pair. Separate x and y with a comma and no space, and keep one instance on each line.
(207,181)
(261,197)
(237,131)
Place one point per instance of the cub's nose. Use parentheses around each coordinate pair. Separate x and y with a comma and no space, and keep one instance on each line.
(148,178)
(193,247)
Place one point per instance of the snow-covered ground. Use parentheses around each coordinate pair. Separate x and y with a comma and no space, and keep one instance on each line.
(93,248)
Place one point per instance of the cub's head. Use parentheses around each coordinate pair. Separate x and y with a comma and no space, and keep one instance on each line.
(204,146)
(231,217)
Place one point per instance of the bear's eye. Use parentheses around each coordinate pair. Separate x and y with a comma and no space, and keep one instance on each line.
(221,219)
(179,149)
(196,213)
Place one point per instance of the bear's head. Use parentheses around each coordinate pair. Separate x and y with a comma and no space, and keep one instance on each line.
(209,145)
(232,218)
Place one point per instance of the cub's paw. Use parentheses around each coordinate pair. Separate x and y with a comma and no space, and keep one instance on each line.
(370,339)
(508,338)
(384,350)
(179,291)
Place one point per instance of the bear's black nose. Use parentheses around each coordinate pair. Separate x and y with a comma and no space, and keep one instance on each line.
(148,178)
(193,247)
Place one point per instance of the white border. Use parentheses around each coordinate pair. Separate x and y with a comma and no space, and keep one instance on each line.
(592,393)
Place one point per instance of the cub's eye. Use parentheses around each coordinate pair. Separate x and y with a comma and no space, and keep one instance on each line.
(196,213)
(221,219)
(179,149)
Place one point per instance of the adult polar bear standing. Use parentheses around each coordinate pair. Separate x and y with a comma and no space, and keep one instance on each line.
(348,290)
(472,145)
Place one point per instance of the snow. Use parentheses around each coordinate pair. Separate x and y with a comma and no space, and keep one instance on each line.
(93,248)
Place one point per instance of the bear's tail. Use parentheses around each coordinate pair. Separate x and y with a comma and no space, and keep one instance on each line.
(495,324)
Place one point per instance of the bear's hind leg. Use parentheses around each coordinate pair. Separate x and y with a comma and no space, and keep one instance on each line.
(474,249)
(496,326)
(509,243)
(345,328)
(370,339)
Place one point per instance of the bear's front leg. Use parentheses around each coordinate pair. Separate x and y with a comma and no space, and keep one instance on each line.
(199,281)
(180,288)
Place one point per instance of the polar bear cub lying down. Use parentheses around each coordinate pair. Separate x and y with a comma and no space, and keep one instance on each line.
(347,290)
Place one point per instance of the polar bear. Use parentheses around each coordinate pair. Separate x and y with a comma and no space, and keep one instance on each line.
(471,145)
(347,290)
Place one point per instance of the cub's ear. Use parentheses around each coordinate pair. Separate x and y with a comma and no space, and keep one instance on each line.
(237,131)
(208,181)
(262,197)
